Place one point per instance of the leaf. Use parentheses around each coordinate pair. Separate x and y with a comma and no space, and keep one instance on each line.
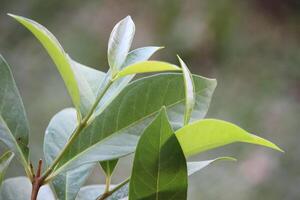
(194,167)
(14,128)
(95,190)
(19,188)
(208,134)
(137,55)
(60,128)
(5,160)
(159,168)
(90,192)
(189,91)
(119,43)
(114,133)
(108,167)
(57,54)
(145,67)
(88,80)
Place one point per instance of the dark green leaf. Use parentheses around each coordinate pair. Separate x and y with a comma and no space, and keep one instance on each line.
(60,128)
(108,167)
(5,160)
(14,128)
(114,133)
(159,168)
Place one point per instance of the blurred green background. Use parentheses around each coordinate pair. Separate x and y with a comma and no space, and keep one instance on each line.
(252,47)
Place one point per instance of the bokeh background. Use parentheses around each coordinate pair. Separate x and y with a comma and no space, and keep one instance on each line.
(252,47)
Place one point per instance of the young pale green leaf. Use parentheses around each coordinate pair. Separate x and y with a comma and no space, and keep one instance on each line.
(146,67)
(5,160)
(207,134)
(137,55)
(14,128)
(57,54)
(194,167)
(114,133)
(159,154)
(88,80)
(19,188)
(66,185)
(119,43)
(189,91)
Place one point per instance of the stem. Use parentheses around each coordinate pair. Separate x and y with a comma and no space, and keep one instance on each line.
(76,132)
(109,193)
(37,181)
(107,183)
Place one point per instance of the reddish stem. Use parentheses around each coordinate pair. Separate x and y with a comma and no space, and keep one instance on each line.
(37,181)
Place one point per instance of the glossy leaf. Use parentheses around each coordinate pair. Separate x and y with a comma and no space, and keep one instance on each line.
(146,67)
(14,128)
(5,160)
(114,133)
(137,55)
(60,128)
(207,134)
(119,43)
(88,80)
(91,192)
(159,168)
(57,54)
(189,91)
(19,188)
(194,167)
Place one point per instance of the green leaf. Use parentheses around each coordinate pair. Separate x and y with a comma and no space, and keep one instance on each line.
(60,128)
(5,160)
(114,133)
(57,54)
(194,167)
(137,55)
(108,167)
(88,80)
(208,134)
(19,188)
(14,128)
(96,190)
(159,168)
(189,91)
(119,43)
(145,67)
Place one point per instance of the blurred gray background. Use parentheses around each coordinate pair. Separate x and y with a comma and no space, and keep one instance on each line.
(252,47)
